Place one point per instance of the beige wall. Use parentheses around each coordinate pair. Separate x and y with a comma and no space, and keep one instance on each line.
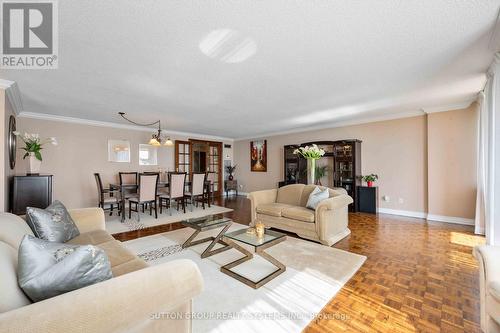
(396,150)
(83,150)
(452,162)
(3,161)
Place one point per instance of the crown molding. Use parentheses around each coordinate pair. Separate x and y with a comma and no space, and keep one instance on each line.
(13,94)
(365,120)
(88,122)
(450,107)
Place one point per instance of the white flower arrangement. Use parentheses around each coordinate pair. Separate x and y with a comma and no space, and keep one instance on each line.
(33,144)
(310,153)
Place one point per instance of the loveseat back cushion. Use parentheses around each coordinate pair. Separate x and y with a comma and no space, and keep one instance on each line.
(290,194)
(12,229)
(11,295)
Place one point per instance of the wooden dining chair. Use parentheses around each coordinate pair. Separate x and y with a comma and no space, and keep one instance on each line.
(210,188)
(177,184)
(197,191)
(128,178)
(107,199)
(147,194)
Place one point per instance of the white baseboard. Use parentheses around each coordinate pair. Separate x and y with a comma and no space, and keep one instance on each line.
(450,219)
(420,215)
(430,217)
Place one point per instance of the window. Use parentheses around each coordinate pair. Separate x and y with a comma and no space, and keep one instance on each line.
(148,155)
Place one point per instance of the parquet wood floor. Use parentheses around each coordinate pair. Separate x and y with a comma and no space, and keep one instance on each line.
(419,276)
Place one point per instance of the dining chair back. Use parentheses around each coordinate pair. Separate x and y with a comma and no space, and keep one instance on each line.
(128,178)
(198,183)
(177,182)
(148,185)
(100,188)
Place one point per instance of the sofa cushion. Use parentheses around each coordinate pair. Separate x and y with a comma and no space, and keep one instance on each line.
(273,209)
(95,237)
(290,194)
(298,213)
(12,296)
(53,223)
(117,253)
(129,266)
(13,229)
(47,269)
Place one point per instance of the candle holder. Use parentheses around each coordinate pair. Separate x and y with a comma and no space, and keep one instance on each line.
(260,229)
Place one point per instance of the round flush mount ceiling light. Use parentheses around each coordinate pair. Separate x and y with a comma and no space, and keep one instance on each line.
(227,45)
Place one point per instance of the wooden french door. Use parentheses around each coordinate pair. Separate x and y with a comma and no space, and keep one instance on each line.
(195,154)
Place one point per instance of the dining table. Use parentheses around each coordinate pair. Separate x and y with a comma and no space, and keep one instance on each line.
(124,188)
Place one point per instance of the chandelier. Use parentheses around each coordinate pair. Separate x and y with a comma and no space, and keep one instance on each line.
(157,138)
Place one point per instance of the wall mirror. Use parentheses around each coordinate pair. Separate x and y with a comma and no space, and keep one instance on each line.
(119,151)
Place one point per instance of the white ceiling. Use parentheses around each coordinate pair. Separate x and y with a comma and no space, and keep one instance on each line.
(316,63)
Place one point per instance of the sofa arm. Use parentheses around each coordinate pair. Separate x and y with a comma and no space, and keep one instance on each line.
(130,302)
(260,197)
(337,202)
(88,219)
(489,273)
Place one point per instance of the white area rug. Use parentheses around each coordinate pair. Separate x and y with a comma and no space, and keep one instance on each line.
(314,274)
(113,224)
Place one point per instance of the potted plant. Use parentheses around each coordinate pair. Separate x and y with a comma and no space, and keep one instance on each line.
(369,179)
(311,154)
(32,147)
(230,170)
(320,172)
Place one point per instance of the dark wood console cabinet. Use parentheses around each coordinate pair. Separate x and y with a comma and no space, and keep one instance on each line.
(30,191)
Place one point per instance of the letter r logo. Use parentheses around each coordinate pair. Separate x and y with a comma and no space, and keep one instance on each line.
(27,27)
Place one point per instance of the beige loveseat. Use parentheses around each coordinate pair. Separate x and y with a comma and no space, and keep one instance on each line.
(285,208)
(489,287)
(137,299)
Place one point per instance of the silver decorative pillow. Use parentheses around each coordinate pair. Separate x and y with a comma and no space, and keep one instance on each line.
(316,196)
(52,223)
(47,269)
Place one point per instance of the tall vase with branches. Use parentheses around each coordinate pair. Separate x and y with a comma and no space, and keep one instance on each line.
(311,154)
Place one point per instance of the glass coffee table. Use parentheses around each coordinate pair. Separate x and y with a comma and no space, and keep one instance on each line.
(269,239)
(208,223)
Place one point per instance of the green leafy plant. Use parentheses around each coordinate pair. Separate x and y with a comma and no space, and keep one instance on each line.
(320,172)
(370,178)
(33,144)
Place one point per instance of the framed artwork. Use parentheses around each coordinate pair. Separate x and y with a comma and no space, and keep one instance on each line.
(258,156)
(119,151)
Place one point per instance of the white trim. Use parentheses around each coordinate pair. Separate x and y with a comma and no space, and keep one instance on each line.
(13,94)
(408,213)
(450,107)
(407,114)
(51,117)
(450,219)
(429,217)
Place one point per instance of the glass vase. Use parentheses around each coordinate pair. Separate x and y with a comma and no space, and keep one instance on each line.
(311,169)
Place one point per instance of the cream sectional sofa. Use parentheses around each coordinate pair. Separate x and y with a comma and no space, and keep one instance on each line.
(489,286)
(132,301)
(285,208)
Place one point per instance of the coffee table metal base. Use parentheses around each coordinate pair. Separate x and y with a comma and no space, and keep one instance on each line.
(226,269)
(208,251)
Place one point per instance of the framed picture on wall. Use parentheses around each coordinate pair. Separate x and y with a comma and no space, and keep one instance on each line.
(258,156)
(119,151)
